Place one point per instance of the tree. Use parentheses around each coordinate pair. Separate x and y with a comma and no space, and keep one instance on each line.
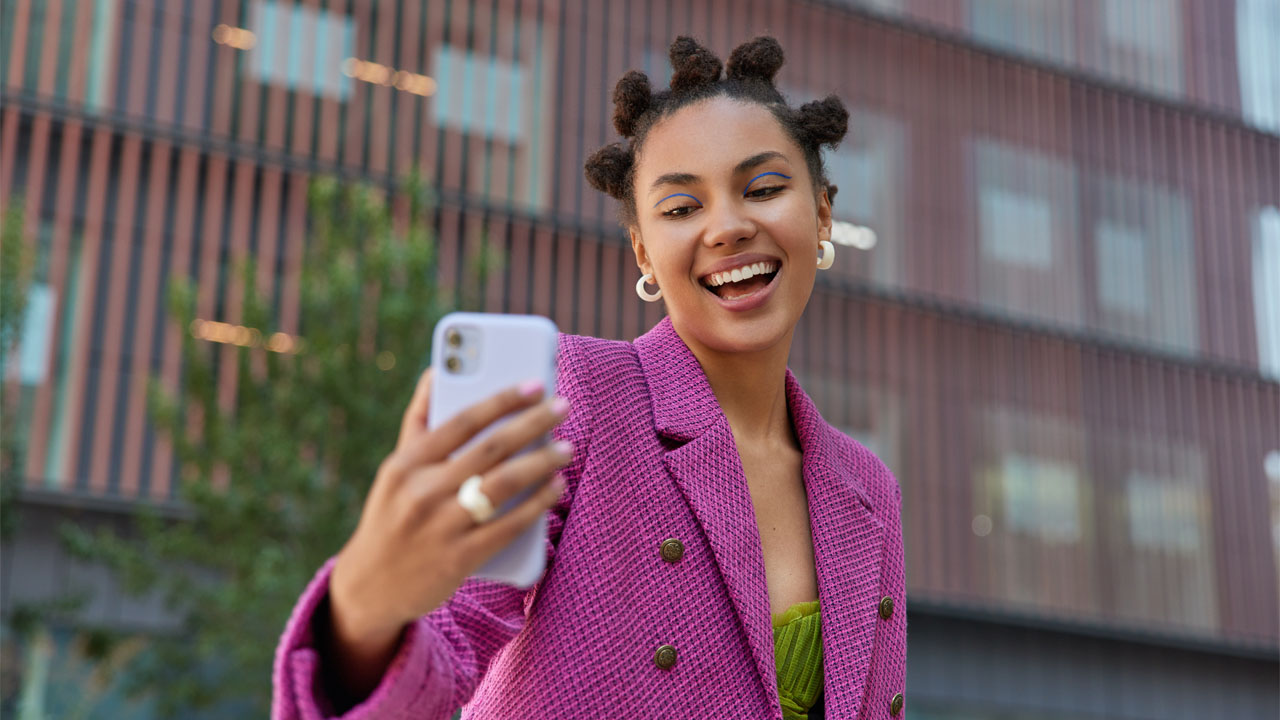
(272,487)
(16,262)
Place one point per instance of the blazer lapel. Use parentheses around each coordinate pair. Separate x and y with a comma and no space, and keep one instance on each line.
(848,545)
(715,487)
(703,459)
(848,539)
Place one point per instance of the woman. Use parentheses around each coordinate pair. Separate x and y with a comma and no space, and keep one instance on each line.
(715,548)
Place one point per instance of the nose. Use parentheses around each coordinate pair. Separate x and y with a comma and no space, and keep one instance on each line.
(727,223)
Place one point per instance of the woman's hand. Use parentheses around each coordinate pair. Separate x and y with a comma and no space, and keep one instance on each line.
(415,545)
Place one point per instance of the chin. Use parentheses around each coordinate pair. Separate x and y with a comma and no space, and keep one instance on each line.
(742,334)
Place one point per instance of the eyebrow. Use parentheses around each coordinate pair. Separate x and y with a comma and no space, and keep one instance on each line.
(683,178)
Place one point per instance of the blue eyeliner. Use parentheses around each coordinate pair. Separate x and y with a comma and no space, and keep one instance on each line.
(748,187)
(677,195)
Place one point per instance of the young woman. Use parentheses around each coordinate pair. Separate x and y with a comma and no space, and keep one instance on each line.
(715,548)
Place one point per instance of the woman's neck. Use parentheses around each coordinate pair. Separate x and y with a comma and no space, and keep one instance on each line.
(752,391)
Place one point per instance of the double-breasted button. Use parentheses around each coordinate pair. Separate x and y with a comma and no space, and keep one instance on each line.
(895,705)
(886,607)
(665,657)
(672,550)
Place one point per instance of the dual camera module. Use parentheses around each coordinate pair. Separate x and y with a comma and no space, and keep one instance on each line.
(455,359)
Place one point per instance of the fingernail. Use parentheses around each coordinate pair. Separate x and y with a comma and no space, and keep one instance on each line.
(557,482)
(563,447)
(530,388)
(559,405)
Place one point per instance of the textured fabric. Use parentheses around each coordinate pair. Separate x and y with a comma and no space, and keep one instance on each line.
(655,459)
(797,651)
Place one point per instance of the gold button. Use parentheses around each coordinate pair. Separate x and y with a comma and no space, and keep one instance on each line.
(672,550)
(886,607)
(895,706)
(665,657)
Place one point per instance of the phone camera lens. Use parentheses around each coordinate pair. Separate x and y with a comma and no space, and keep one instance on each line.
(453,338)
(453,363)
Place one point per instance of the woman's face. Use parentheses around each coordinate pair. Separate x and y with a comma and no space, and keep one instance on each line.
(721,187)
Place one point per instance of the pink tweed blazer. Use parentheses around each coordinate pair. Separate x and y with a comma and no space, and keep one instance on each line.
(655,459)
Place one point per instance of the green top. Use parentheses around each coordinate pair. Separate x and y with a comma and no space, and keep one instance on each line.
(797,650)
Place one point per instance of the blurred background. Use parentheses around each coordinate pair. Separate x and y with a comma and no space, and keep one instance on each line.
(1064,341)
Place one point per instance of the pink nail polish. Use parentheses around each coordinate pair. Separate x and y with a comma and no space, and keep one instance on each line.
(560,405)
(530,388)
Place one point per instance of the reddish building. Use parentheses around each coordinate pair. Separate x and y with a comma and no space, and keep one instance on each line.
(1065,342)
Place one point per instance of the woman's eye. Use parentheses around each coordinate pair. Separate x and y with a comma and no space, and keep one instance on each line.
(764,191)
(679,211)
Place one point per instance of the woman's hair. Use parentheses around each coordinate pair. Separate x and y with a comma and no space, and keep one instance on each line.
(696,75)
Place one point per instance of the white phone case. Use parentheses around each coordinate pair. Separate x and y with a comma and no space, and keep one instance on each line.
(490,352)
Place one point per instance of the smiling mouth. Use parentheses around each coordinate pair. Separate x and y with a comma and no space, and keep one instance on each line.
(723,286)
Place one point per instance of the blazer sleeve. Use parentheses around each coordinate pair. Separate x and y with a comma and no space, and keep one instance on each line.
(442,656)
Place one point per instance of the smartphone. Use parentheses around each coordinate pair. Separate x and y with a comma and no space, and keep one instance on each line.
(475,355)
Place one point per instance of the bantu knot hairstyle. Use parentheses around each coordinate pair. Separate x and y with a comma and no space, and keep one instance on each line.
(697,74)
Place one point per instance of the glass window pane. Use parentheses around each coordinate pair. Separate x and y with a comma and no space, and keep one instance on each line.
(1266,288)
(1144,263)
(299,48)
(1122,267)
(1257,32)
(867,170)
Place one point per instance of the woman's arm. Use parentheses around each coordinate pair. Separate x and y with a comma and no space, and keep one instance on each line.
(430,667)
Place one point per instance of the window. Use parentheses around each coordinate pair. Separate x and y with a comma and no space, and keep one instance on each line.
(1143,40)
(1266,289)
(98,64)
(658,67)
(1017,228)
(480,95)
(299,48)
(867,169)
(505,102)
(1163,549)
(1166,514)
(888,7)
(1143,262)
(1122,267)
(1041,498)
(1032,510)
(37,335)
(1039,27)
(1271,466)
(1027,232)
(1257,27)
(875,420)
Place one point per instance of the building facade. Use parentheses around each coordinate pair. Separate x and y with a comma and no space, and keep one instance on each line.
(1065,341)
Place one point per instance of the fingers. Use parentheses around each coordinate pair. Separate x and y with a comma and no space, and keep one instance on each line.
(439,444)
(488,538)
(509,438)
(511,478)
(415,416)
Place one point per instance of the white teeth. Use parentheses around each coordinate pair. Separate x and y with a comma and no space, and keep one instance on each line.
(739,274)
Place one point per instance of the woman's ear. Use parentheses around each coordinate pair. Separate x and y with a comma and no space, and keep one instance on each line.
(824,216)
(642,255)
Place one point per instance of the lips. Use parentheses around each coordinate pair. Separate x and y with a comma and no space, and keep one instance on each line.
(744,295)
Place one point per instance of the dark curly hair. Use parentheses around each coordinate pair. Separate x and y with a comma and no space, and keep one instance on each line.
(748,77)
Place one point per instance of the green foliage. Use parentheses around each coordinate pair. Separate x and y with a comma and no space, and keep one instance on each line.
(16,262)
(298,451)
